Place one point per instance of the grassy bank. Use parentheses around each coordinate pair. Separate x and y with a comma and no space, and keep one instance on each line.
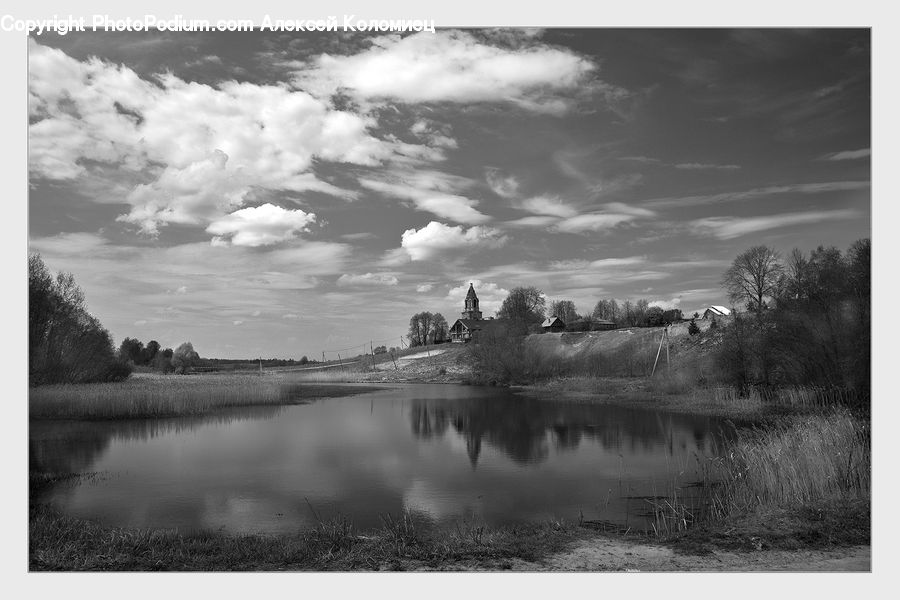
(173,396)
(802,480)
(61,543)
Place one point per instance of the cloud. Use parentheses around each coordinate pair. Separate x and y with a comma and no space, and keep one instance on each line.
(238,323)
(726,228)
(762,192)
(544,221)
(666,304)
(503,186)
(291,317)
(451,66)
(693,166)
(848,154)
(547,205)
(260,226)
(436,238)
(554,215)
(369,279)
(431,191)
(433,134)
(191,151)
(425,287)
(490,295)
(181,290)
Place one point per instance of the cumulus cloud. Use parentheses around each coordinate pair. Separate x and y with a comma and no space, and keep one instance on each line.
(368,279)
(726,228)
(202,147)
(451,66)
(667,304)
(259,226)
(425,287)
(436,238)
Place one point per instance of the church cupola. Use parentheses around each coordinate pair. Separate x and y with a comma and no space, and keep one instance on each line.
(471,308)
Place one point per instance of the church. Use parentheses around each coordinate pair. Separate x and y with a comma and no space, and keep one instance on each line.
(468,327)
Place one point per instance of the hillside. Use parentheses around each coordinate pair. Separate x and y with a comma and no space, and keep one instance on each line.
(454,362)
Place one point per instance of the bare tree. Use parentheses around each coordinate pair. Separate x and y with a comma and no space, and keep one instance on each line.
(523,306)
(420,328)
(565,310)
(439,328)
(753,276)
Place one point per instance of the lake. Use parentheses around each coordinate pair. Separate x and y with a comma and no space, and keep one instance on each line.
(450,454)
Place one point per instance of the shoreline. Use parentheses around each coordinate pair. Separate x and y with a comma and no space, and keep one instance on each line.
(825,532)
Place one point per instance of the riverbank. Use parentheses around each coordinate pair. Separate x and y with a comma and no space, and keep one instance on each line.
(60,543)
(164,396)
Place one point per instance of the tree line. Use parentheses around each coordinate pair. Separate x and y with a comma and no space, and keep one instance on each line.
(807,317)
(180,360)
(526,307)
(66,344)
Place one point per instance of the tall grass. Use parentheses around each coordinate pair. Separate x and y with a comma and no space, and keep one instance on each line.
(170,396)
(809,459)
(812,461)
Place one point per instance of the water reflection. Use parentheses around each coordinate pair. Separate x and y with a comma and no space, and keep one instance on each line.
(524,428)
(74,446)
(440,450)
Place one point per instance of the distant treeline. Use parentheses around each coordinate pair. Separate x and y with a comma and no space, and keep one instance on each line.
(65,343)
(184,359)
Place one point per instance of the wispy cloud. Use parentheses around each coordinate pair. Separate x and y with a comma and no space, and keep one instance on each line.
(694,166)
(430,191)
(727,228)
(761,192)
(848,154)
(367,279)
(505,186)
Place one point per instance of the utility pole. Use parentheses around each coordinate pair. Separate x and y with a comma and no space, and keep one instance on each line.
(373,355)
(668,366)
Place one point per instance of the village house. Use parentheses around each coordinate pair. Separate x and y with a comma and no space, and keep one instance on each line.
(553,324)
(716,311)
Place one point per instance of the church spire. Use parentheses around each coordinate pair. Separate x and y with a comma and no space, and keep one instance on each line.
(471,305)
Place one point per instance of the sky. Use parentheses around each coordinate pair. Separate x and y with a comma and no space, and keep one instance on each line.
(280,195)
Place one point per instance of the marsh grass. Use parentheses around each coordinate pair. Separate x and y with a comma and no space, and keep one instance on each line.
(61,543)
(801,465)
(173,396)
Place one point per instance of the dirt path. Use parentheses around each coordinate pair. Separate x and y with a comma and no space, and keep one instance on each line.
(607,554)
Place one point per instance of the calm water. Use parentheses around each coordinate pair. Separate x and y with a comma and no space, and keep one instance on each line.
(448,453)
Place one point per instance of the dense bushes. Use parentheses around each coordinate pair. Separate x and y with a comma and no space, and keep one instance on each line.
(816,330)
(501,357)
(65,343)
